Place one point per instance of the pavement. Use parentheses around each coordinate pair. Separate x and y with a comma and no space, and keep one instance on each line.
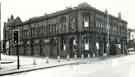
(123,66)
(9,63)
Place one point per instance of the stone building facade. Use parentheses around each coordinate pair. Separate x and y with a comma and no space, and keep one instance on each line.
(79,30)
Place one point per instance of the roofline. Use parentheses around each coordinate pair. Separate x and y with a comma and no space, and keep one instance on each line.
(65,11)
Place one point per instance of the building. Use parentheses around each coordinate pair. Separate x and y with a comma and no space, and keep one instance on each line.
(131,38)
(131,34)
(79,30)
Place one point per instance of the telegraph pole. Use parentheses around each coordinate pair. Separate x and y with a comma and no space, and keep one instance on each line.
(0,33)
(108,32)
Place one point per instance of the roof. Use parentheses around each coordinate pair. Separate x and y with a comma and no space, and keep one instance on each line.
(131,30)
(82,6)
(47,16)
(14,22)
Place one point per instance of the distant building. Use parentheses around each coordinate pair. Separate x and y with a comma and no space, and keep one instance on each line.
(79,30)
(132,35)
(131,38)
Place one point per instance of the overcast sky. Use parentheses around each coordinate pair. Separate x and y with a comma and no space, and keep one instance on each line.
(26,9)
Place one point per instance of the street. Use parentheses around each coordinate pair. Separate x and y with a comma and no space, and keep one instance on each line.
(123,66)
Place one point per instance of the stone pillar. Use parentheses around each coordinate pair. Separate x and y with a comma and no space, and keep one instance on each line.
(122,47)
(94,50)
(105,47)
(24,48)
(90,47)
(80,44)
(59,46)
(67,47)
(101,49)
(9,49)
(70,47)
(40,46)
(75,46)
(126,47)
(31,47)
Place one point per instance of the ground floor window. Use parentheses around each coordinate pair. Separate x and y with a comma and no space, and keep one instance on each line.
(7,44)
(86,45)
(64,47)
(97,45)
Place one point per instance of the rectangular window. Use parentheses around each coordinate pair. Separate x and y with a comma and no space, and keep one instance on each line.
(86,44)
(64,47)
(86,22)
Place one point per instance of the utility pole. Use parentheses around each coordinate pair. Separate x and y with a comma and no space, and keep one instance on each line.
(16,45)
(0,33)
(108,32)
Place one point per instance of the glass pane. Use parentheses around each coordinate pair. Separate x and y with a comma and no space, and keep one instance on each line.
(86,24)
(86,46)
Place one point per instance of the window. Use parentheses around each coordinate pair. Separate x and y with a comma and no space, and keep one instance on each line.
(86,22)
(64,47)
(27,33)
(32,32)
(86,45)
(45,29)
(97,45)
(74,42)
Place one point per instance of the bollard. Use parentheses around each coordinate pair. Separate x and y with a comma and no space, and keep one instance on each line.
(47,61)
(68,58)
(34,62)
(58,58)
(82,56)
(75,56)
(88,55)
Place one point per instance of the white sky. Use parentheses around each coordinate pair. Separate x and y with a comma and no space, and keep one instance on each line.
(26,9)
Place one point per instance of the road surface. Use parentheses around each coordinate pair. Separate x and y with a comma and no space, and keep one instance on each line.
(115,67)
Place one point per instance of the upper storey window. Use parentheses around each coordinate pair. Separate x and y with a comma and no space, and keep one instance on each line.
(86,22)
(63,19)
